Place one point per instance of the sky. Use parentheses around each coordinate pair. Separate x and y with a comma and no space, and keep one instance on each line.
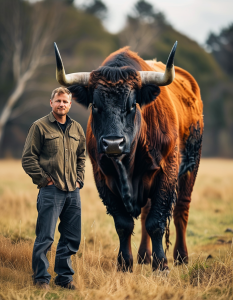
(194,18)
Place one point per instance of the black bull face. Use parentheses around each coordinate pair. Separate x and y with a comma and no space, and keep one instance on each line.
(114,119)
(115,97)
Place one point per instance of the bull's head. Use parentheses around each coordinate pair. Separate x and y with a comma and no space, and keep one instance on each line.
(116,95)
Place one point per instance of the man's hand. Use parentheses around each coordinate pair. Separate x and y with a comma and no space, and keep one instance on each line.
(50,182)
(77,184)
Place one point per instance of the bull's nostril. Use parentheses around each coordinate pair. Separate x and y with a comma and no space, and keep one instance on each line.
(122,143)
(105,144)
(113,145)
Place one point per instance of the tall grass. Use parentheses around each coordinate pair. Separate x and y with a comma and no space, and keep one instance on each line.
(207,276)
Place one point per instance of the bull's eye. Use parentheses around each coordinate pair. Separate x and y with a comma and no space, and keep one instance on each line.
(95,107)
(132,107)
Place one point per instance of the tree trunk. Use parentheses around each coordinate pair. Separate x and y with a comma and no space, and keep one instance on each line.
(14,97)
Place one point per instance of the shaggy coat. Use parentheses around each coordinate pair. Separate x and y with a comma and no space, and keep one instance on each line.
(159,170)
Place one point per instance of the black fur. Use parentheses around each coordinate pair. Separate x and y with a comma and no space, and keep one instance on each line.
(148,93)
(115,74)
(123,59)
(80,94)
(145,95)
(121,67)
(190,154)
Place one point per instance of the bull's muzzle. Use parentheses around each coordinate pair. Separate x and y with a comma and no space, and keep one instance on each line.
(114,146)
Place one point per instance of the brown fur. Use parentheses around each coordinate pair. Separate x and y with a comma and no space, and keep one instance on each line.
(165,128)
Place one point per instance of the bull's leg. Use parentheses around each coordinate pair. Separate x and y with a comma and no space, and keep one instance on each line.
(187,173)
(181,213)
(156,229)
(124,226)
(156,220)
(144,252)
(161,208)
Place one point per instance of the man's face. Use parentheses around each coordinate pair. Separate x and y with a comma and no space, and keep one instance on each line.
(61,104)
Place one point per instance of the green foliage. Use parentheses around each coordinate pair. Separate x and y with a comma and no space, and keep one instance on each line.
(189,56)
(65,2)
(145,23)
(84,44)
(144,9)
(221,46)
(96,8)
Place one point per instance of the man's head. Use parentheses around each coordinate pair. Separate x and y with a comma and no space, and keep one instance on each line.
(61,101)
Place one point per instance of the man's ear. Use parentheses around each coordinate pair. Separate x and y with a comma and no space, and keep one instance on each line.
(80,94)
(147,94)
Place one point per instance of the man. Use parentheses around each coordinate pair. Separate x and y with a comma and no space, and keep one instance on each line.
(54,157)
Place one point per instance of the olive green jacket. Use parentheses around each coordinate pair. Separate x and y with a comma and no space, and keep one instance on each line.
(48,152)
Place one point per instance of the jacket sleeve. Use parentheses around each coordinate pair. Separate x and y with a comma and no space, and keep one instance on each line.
(81,158)
(30,157)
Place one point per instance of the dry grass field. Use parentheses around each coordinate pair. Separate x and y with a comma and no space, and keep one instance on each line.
(209,274)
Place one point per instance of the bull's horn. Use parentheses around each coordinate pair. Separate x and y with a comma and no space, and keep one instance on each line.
(161,79)
(68,79)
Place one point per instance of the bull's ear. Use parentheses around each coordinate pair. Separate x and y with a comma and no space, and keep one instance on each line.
(148,93)
(80,94)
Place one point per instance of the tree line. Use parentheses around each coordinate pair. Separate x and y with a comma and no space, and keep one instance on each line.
(27,33)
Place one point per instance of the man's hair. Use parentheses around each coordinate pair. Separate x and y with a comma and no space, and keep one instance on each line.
(59,91)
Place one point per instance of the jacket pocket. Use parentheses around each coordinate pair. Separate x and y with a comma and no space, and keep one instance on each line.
(51,143)
(74,141)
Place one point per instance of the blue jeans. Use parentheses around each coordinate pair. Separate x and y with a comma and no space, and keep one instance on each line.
(51,204)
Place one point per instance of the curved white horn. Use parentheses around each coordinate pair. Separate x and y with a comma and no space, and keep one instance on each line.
(161,79)
(68,79)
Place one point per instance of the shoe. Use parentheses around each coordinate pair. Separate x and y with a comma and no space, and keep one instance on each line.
(42,285)
(70,286)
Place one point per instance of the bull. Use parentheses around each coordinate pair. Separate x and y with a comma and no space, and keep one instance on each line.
(144,138)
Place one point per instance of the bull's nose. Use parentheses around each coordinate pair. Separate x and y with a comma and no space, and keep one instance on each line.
(113,145)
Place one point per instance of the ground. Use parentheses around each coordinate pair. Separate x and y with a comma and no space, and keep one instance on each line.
(208,275)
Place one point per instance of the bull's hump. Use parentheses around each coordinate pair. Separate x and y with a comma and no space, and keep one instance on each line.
(155,65)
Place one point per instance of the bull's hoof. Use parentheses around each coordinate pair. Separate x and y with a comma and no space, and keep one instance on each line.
(144,257)
(159,265)
(124,265)
(180,258)
(124,268)
(179,261)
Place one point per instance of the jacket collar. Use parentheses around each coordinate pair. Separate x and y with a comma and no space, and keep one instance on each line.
(52,118)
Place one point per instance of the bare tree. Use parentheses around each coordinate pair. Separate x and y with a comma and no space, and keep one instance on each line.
(138,35)
(143,26)
(26,33)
